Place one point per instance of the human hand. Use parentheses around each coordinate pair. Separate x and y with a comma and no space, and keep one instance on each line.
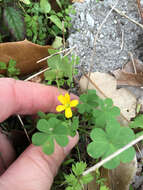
(33,170)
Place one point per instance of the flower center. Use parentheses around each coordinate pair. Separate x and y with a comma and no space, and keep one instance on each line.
(67,105)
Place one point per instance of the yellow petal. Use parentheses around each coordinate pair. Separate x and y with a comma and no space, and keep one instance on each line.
(60,108)
(67,98)
(73,103)
(68,112)
(61,98)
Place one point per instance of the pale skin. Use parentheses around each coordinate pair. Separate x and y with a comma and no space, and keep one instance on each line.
(32,170)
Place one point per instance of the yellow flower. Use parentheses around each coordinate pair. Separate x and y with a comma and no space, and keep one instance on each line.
(67,105)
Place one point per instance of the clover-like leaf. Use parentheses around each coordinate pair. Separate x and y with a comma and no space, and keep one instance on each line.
(109,141)
(106,113)
(88,101)
(50,130)
(138,122)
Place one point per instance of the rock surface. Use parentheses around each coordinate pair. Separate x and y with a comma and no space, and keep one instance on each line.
(116,32)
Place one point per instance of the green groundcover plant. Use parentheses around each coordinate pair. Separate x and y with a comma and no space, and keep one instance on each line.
(10,69)
(61,69)
(100,119)
(34,20)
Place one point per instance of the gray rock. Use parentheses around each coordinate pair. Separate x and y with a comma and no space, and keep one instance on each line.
(90,20)
(116,31)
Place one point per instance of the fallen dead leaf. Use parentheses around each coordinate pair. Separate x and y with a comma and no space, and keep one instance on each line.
(130,75)
(25,53)
(129,67)
(124,78)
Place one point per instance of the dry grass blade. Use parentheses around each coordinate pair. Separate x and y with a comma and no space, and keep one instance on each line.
(124,15)
(22,124)
(63,51)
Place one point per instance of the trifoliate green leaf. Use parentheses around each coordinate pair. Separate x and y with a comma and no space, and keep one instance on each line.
(109,141)
(138,122)
(53,51)
(54,62)
(51,130)
(53,74)
(97,148)
(106,113)
(88,101)
(48,147)
(47,143)
(39,138)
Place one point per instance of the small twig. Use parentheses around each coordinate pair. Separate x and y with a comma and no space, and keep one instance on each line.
(35,75)
(130,19)
(99,164)
(45,58)
(71,49)
(22,124)
(139,150)
(133,62)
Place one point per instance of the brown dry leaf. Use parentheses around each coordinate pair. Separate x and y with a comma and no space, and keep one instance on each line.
(130,75)
(140,9)
(130,68)
(105,85)
(25,53)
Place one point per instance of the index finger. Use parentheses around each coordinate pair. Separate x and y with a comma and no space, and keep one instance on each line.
(19,97)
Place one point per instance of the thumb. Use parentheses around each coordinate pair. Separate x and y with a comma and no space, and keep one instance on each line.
(33,169)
